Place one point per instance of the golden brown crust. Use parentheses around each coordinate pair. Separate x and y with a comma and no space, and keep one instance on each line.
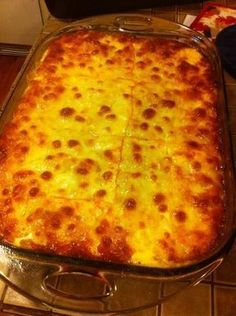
(113,152)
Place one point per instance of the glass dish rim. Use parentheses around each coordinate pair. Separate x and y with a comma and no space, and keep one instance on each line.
(219,250)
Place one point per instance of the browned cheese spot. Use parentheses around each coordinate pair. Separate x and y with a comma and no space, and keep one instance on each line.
(136,175)
(49,96)
(141,64)
(215,161)
(67,112)
(71,227)
(25,118)
(199,113)
(5,191)
(166,118)
(95,52)
(56,143)
(168,104)
(107,175)
(79,118)
(154,105)
(205,180)
(137,157)
(142,225)
(24,149)
(119,229)
(111,116)
(158,129)
(18,190)
(89,161)
(67,210)
(61,154)
(85,166)
(162,208)
(24,132)
(196,165)
(46,175)
(78,95)
(155,77)
(167,235)
(110,62)
(103,227)
(68,64)
(136,147)
(22,174)
(193,144)
(34,191)
(203,132)
(82,171)
(55,221)
(126,95)
(155,69)
(180,216)
(130,204)
(84,185)
(8,202)
(101,193)
(158,198)
(149,113)
(153,177)
(73,142)
(186,68)
(90,142)
(108,154)
(104,109)
(144,126)
(154,165)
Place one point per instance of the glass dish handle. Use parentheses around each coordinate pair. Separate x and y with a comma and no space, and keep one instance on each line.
(83,289)
(101,287)
(133,23)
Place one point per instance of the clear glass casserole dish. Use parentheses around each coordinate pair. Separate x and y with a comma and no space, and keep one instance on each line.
(106,287)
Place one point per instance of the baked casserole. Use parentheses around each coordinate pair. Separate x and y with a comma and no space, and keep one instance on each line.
(114,153)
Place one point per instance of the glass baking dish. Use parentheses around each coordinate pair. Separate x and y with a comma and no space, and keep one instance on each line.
(76,284)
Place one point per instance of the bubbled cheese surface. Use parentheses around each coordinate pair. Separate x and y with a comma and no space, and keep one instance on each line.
(113,153)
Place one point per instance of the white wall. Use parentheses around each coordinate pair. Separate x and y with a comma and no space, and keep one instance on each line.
(20,21)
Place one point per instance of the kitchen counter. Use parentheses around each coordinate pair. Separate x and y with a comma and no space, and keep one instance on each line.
(216,296)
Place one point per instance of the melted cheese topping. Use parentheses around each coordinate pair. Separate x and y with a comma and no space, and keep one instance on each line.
(113,153)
